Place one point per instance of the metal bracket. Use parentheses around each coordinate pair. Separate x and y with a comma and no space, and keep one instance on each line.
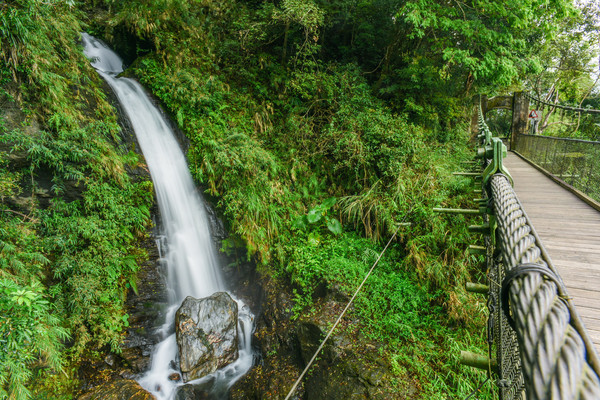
(496,166)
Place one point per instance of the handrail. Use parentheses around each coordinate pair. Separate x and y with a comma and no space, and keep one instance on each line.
(542,348)
(573,162)
(564,139)
(568,108)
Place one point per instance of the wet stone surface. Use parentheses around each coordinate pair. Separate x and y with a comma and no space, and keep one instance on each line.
(145,308)
(207,335)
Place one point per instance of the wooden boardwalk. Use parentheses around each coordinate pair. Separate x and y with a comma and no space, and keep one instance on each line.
(570,231)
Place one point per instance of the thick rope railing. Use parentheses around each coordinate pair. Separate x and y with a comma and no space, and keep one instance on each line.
(554,358)
(557,359)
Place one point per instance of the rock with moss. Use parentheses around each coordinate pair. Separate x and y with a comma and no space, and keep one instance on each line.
(192,392)
(349,367)
(121,389)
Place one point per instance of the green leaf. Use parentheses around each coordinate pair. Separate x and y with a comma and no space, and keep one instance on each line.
(300,222)
(334,226)
(133,284)
(314,215)
(314,239)
(327,204)
(125,319)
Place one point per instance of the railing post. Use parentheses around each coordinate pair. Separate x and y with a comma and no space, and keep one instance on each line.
(477,101)
(520,117)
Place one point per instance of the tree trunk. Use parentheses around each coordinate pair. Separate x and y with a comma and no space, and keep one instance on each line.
(285,41)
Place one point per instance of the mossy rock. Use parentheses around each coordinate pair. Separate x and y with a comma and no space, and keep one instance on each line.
(121,389)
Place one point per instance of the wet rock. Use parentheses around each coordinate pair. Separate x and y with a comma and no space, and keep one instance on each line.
(206,332)
(175,377)
(127,374)
(191,392)
(349,366)
(145,307)
(110,359)
(121,389)
(217,229)
(270,380)
(309,336)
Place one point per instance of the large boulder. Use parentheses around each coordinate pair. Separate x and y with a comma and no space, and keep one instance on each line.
(206,332)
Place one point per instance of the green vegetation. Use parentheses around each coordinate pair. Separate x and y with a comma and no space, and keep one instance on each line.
(569,76)
(70,216)
(318,128)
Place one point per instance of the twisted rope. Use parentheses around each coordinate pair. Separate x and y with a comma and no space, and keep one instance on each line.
(553,354)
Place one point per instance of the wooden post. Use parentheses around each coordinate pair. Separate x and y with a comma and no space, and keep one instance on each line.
(520,117)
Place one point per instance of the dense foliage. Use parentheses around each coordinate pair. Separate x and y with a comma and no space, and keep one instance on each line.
(70,216)
(569,77)
(318,127)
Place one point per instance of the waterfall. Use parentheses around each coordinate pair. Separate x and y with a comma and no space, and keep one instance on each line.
(190,256)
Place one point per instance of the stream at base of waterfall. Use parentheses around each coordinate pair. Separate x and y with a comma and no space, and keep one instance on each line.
(187,249)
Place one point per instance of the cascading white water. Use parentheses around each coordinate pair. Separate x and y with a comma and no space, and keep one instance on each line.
(191,260)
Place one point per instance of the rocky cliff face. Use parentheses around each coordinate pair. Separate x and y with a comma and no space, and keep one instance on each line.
(36,188)
(349,367)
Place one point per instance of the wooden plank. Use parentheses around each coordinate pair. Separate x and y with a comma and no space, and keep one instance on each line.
(585,234)
(580,220)
(590,312)
(585,296)
(580,281)
(595,337)
(569,255)
(570,231)
(591,324)
(584,267)
(550,202)
(588,246)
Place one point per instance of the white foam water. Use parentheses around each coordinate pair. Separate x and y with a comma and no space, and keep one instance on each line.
(192,266)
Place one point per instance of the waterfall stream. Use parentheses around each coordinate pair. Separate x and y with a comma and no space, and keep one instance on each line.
(190,256)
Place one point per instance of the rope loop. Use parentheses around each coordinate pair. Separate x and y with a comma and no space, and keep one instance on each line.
(519,271)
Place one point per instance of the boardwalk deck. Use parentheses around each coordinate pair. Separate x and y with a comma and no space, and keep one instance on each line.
(570,232)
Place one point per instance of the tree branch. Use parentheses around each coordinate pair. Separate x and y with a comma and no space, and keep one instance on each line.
(21,215)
